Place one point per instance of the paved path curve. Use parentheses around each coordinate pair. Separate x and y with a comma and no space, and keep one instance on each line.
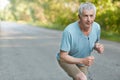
(28,53)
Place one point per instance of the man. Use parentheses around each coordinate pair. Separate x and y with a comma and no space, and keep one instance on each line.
(78,41)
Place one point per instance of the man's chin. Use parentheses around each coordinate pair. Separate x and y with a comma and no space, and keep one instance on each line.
(88,26)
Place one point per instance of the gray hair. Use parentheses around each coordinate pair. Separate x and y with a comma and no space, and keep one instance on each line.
(86,6)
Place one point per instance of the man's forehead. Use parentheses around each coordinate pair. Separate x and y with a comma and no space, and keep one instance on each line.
(90,11)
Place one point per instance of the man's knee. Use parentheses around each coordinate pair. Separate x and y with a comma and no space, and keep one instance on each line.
(80,76)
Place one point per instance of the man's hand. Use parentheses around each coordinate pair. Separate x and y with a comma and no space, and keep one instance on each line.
(99,47)
(88,61)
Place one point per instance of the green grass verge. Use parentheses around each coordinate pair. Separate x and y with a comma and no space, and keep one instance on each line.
(110,36)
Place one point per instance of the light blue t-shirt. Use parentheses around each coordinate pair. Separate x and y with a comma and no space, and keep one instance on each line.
(76,43)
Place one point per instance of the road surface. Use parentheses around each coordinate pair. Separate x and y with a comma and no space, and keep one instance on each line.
(29,53)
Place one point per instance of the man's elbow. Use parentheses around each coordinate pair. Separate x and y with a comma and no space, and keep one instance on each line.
(63,56)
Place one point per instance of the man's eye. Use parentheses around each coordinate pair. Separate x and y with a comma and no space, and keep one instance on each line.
(91,15)
(85,15)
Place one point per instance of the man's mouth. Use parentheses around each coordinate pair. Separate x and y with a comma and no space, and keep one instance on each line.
(88,23)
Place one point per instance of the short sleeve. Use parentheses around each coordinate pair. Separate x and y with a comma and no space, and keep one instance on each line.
(98,33)
(65,42)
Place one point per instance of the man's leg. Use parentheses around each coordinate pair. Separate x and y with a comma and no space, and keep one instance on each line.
(73,71)
(84,69)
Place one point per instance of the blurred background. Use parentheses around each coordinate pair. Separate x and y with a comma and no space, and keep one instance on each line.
(57,14)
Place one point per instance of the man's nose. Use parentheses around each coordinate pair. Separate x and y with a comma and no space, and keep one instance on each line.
(88,18)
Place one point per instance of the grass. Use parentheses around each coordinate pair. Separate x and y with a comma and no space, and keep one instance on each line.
(110,36)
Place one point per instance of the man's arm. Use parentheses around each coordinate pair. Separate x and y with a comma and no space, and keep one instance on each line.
(72,60)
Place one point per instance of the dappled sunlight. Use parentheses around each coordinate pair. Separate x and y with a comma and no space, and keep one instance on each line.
(3,4)
(28,41)
(26,37)
(9,32)
(21,37)
(14,35)
(27,45)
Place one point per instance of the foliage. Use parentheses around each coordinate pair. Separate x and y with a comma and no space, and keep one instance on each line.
(108,17)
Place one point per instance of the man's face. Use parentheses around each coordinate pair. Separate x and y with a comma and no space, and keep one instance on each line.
(87,18)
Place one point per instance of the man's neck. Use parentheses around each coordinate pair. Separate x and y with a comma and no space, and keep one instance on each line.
(85,30)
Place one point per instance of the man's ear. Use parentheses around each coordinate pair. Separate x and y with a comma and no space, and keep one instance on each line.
(78,16)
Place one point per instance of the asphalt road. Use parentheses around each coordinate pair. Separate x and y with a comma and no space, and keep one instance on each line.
(29,53)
